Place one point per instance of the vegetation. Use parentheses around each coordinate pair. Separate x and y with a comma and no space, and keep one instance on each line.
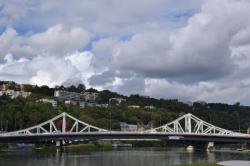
(200,164)
(20,113)
(3,146)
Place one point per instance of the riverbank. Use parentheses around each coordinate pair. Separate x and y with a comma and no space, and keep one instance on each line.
(3,146)
(88,146)
(200,164)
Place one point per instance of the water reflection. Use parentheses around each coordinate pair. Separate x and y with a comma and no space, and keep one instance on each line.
(134,157)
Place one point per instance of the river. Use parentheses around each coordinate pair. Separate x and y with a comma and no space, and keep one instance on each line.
(132,157)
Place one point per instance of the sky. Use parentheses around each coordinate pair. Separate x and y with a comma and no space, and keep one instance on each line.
(178,49)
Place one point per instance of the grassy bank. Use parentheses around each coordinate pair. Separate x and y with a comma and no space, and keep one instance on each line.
(3,146)
(91,145)
(200,164)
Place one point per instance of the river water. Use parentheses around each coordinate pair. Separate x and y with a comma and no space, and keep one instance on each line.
(131,157)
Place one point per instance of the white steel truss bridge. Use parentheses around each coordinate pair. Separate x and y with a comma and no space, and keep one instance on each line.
(65,127)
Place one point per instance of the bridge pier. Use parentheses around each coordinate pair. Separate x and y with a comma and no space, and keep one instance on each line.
(199,146)
(190,148)
(209,146)
(59,145)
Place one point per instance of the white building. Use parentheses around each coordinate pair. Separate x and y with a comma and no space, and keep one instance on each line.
(134,106)
(3,87)
(102,105)
(149,107)
(14,94)
(118,100)
(51,101)
(70,102)
(89,96)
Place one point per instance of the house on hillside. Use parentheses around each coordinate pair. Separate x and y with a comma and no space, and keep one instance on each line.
(134,106)
(150,107)
(14,94)
(117,100)
(51,101)
(63,95)
(89,96)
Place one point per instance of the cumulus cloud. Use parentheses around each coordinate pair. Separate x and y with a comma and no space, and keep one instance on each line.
(228,90)
(13,10)
(201,60)
(82,62)
(58,40)
(119,81)
(103,50)
(199,51)
(191,51)
(47,70)
(103,17)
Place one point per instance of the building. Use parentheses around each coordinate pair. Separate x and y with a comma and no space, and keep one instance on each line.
(134,106)
(84,104)
(70,102)
(3,87)
(14,94)
(117,100)
(51,101)
(89,96)
(128,127)
(25,94)
(65,95)
(102,105)
(150,107)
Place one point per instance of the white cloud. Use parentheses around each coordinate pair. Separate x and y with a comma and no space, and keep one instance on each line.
(103,17)
(201,60)
(200,50)
(103,50)
(13,10)
(58,40)
(226,90)
(82,61)
(47,70)
(190,50)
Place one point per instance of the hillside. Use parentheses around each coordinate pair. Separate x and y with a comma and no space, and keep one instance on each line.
(21,112)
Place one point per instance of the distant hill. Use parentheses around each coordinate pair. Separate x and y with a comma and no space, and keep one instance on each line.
(23,112)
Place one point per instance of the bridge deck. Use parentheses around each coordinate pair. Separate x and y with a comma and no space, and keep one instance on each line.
(124,135)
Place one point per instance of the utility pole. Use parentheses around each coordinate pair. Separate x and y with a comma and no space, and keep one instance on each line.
(110,123)
(6,125)
(239,123)
(160,120)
